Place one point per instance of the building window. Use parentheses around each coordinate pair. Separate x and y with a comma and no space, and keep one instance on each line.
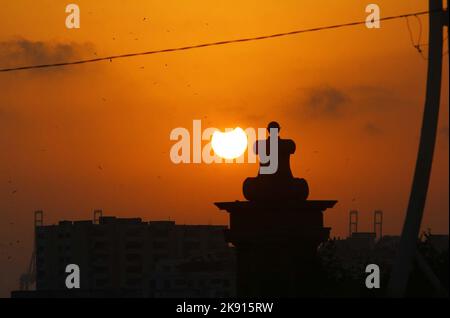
(134,269)
(133,257)
(166,283)
(160,245)
(133,245)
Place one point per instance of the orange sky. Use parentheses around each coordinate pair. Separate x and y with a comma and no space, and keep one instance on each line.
(352,99)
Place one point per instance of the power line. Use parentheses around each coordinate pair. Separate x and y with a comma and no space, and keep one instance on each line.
(197,46)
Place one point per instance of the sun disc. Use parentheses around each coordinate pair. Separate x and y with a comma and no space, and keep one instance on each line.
(230,144)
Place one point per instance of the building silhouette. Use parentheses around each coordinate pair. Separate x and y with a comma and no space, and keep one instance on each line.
(345,260)
(128,257)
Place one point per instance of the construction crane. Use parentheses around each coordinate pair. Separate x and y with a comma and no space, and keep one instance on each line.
(378,224)
(353,222)
(28,279)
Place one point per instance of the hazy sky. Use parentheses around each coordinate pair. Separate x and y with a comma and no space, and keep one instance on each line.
(85,137)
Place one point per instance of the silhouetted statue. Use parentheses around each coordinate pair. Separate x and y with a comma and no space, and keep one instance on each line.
(276,232)
(280,185)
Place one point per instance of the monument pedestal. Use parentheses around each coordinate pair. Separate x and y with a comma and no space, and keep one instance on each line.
(276,245)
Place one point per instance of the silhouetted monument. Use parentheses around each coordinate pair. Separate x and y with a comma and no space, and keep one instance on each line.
(277,231)
(280,185)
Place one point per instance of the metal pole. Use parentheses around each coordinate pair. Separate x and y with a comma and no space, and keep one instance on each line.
(411,227)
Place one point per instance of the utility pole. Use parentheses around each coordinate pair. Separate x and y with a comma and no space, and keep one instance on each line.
(411,227)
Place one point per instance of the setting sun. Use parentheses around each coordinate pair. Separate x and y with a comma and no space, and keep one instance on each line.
(229,145)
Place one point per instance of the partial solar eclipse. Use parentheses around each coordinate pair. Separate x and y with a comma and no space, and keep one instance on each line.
(230,144)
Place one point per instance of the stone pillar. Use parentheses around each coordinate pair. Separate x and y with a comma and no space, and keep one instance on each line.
(276,245)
